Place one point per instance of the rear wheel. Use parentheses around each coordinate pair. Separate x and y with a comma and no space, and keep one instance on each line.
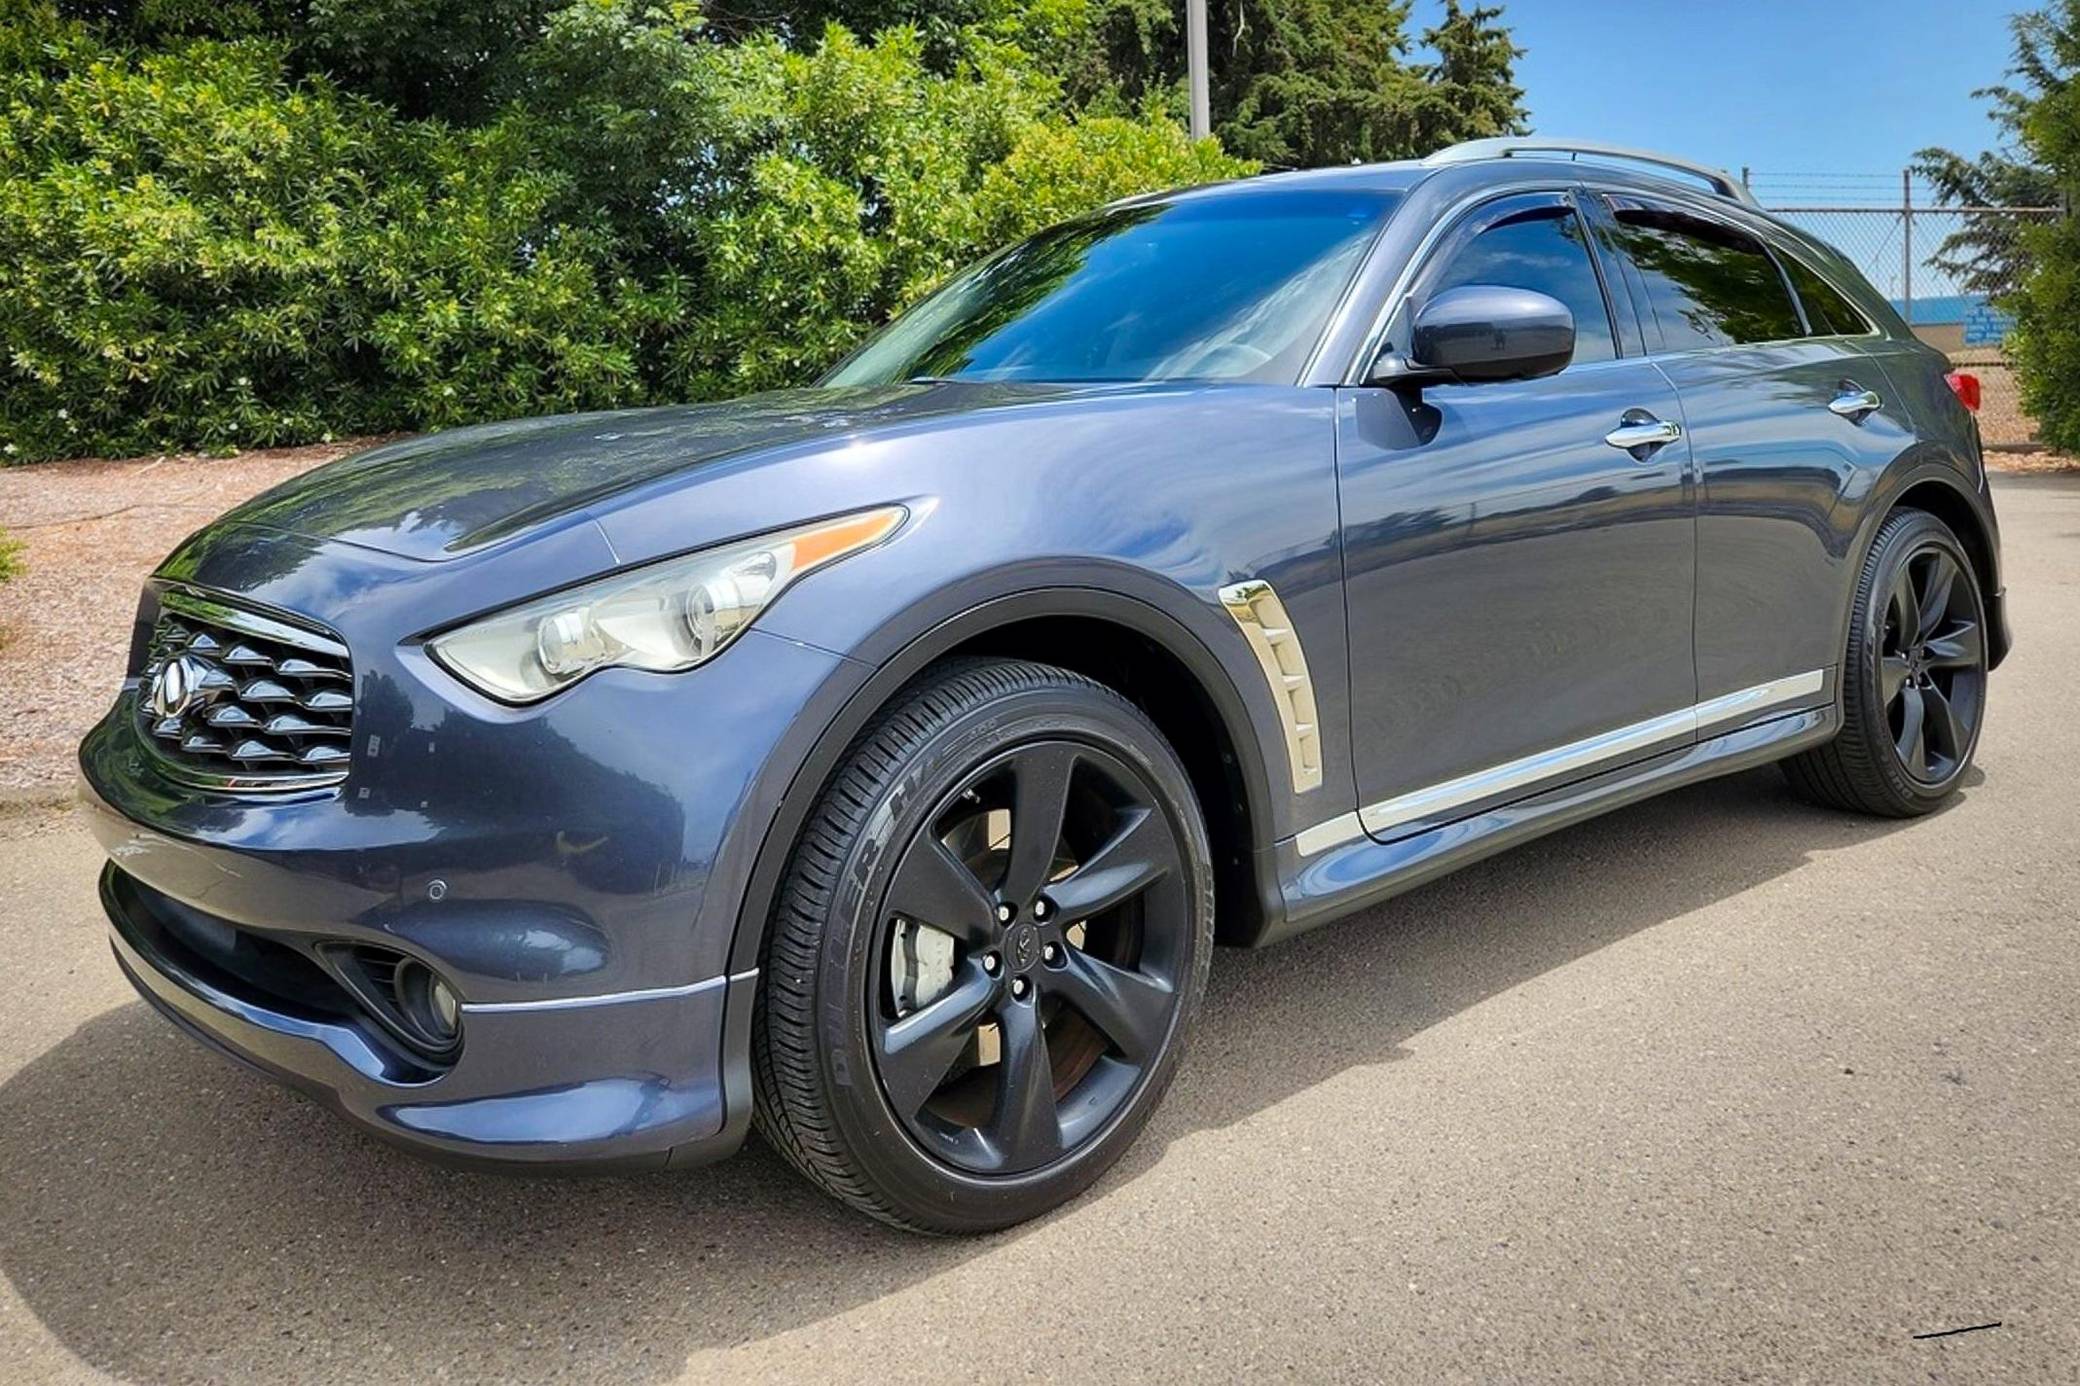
(992,939)
(1914,678)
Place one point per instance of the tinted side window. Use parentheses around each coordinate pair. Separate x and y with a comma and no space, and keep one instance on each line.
(1544,249)
(1827,312)
(1709,285)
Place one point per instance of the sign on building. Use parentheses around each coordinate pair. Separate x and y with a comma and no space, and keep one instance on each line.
(1986,325)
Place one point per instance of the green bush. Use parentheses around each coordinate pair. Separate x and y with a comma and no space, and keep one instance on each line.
(851,180)
(200,248)
(199,253)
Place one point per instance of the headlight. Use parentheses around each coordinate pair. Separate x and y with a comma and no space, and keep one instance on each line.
(664,617)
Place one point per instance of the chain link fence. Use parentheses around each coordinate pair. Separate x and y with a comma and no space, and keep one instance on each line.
(1946,269)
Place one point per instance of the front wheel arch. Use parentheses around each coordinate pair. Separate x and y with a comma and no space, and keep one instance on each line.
(1240,816)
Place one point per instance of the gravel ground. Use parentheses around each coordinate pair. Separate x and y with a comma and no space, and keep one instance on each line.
(2033,462)
(1718,1088)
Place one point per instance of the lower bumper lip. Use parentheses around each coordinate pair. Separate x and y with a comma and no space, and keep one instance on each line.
(605,1082)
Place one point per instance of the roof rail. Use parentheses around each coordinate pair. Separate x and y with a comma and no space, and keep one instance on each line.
(1720,181)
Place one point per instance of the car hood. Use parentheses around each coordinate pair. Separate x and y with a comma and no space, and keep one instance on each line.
(446,494)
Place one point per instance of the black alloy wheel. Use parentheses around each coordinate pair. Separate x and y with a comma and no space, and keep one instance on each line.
(990,945)
(1055,873)
(1914,678)
(1932,664)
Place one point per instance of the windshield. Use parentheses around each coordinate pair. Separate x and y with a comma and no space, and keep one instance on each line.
(1232,287)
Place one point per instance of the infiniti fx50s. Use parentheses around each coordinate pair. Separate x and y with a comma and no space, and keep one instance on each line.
(878,762)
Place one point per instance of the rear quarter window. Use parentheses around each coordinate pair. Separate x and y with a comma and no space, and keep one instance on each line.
(1828,313)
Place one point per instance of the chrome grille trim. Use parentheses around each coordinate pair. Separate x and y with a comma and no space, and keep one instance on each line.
(265,705)
(190,602)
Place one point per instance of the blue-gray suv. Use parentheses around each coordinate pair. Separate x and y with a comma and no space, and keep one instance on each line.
(877,763)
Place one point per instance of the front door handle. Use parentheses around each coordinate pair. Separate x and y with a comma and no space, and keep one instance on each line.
(1854,403)
(1642,435)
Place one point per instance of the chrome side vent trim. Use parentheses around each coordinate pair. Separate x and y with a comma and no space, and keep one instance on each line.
(1262,617)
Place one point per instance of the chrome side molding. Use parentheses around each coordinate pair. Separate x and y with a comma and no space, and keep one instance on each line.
(1561,762)
(1256,608)
(1345,827)
(1575,759)
(1734,707)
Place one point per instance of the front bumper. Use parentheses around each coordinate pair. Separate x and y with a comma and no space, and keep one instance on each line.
(574,871)
(610,1082)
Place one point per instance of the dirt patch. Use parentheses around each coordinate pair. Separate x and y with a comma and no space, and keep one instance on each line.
(2031,463)
(90,533)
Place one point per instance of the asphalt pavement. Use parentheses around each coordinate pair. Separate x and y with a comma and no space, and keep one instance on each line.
(1720,1087)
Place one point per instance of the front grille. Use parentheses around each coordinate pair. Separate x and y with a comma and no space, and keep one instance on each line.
(232,699)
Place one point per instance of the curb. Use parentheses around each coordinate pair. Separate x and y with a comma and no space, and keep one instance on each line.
(39,798)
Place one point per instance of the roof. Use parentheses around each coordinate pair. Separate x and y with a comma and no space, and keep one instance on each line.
(1403,175)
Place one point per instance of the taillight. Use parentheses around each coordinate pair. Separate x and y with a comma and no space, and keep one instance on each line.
(1966,387)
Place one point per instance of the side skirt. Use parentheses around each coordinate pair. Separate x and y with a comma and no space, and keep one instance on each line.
(1319,889)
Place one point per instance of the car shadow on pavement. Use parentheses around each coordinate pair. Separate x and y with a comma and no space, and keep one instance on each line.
(168,1215)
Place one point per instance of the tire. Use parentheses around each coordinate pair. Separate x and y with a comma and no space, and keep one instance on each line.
(1913,700)
(889,948)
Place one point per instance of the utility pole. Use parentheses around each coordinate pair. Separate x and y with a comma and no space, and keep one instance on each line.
(1195,63)
(1906,241)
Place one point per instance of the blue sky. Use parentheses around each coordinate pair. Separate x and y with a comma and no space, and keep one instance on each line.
(1835,87)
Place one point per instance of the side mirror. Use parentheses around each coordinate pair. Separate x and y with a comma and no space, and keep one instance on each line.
(1480,333)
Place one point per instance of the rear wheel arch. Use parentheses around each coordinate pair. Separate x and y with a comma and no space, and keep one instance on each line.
(1936,489)
(1127,644)
(1949,504)
(1913,678)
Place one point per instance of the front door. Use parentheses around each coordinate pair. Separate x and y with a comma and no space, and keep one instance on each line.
(1520,585)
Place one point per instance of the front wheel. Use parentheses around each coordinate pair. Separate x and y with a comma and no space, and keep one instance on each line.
(1914,678)
(992,939)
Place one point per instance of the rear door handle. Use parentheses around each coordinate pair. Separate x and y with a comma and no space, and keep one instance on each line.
(1642,435)
(1855,404)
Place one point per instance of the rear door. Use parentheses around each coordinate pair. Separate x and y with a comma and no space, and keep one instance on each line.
(1785,419)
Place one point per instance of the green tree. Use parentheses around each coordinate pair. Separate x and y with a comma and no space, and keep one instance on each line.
(455,59)
(849,180)
(1985,255)
(2035,268)
(1293,83)
(1323,82)
(1471,87)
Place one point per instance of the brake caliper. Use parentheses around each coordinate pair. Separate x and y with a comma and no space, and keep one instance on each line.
(920,965)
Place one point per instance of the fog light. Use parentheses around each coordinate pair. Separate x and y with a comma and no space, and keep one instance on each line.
(447,1011)
(429,1003)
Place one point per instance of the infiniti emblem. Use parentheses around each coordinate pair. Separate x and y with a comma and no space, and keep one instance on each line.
(1025,946)
(177,686)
